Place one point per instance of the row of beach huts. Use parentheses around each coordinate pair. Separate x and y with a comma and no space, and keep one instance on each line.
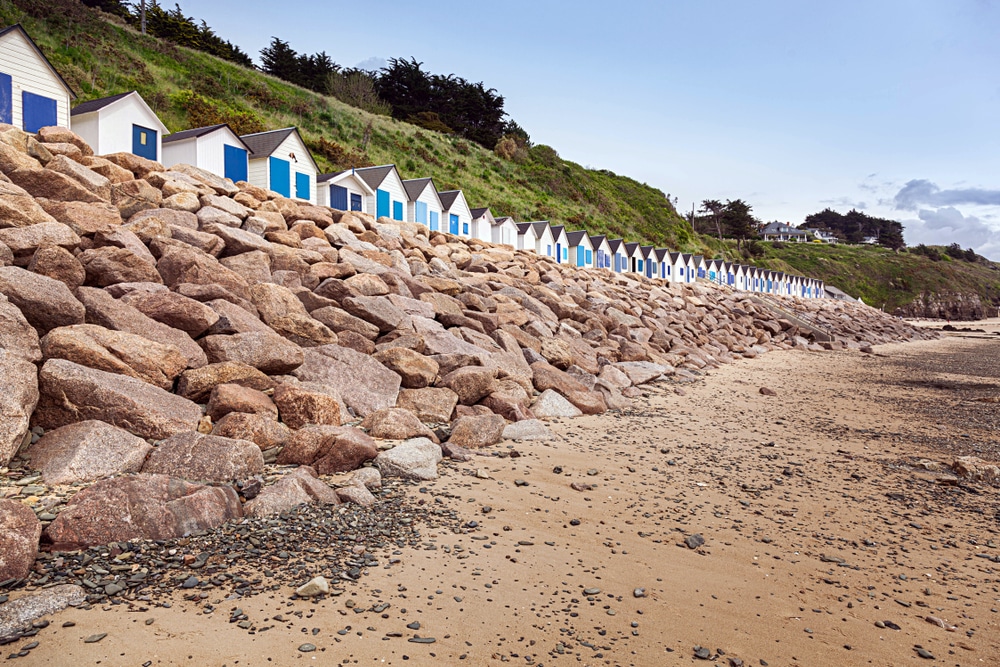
(34,95)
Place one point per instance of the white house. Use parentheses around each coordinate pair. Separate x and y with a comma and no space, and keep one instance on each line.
(456,211)
(215,148)
(699,266)
(651,267)
(526,238)
(678,268)
(423,205)
(779,231)
(33,94)
(120,124)
(663,262)
(620,256)
(344,191)
(542,235)
(581,250)
(561,242)
(634,257)
(280,162)
(505,231)
(713,268)
(602,251)
(482,224)
(390,198)
(740,277)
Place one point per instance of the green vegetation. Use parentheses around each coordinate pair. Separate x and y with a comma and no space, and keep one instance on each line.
(99,56)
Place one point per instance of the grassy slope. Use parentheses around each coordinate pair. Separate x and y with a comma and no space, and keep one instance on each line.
(882,277)
(99,58)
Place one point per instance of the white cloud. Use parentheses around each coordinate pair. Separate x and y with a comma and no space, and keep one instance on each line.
(372,64)
(946,225)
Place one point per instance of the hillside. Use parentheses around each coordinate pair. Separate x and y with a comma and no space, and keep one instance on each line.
(896,282)
(187,88)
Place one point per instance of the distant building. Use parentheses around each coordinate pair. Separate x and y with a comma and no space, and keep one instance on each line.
(620,256)
(505,231)
(526,238)
(33,94)
(581,251)
(824,235)
(602,251)
(561,243)
(779,231)
(483,223)
(456,212)
(120,124)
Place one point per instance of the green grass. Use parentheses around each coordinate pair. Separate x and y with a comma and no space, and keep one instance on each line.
(186,88)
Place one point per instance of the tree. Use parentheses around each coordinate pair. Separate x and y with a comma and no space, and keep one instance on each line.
(739,222)
(713,208)
(357,88)
(280,60)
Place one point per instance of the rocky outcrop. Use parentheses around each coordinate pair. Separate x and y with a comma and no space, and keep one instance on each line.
(946,306)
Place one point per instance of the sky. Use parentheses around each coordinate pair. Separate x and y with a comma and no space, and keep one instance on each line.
(890,107)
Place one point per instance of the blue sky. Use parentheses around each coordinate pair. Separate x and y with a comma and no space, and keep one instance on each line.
(888,106)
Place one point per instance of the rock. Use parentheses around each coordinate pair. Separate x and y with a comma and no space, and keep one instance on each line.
(17,207)
(328,449)
(17,616)
(152,507)
(261,430)
(340,321)
(976,469)
(208,458)
(188,265)
(234,318)
(95,183)
(58,264)
(174,310)
(356,495)
(300,487)
(302,404)
(17,336)
(18,399)
(766,391)
(110,265)
(557,352)
(547,377)
(304,330)
(509,400)
(197,384)
(267,352)
(641,372)
(529,429)
(340,368)
(228,398)
(23,241)
(52,185)
(476,432)
(104,310)
(589,402)
(552,405)
(87,451)
(694,541)
(395,424)
(370,478)
(71,393)
(471,384)
(115,352)
(19,533)
(313,587)
(414,459)
(84,218)
(456,453)
(139,166)
(432,405)
(45,302)
(416,370)
(376,310)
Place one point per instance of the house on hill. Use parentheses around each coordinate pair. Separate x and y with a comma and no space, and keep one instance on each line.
(482,224)
(215,148)
(423,205)
(280,162)
(33,94)
(455,210)
(390,198)
(344,191)
(779,231)
(602,251)
(542,234)
(120,124)
(505,231)
(561,243)
(581,250)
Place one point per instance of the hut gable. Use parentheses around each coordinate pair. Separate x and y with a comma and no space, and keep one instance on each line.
(390,197)
(215,148)
(280,162)
(33,94)
(121,123)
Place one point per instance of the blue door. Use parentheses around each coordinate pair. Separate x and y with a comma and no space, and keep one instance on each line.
(381,204)
(559,252)
(579,255)
(434,221)
(235,163)
(38,111)
(589,257)
(453,224)
(281,176)
(303,187)
(397,210)
(355,201)
(338,197)
(143,142)
(6,99)
(420,212)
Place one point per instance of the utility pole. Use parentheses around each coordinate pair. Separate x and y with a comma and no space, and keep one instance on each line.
(142,15)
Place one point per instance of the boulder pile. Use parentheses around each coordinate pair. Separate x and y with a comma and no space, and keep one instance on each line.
(166,335)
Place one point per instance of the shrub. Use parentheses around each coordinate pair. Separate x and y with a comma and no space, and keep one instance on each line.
(339,156)
(201,112)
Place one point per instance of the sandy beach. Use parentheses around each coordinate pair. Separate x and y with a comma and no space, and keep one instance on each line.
(826,542)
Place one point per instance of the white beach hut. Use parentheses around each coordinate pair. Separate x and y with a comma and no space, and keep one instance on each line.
(561,243)
(581,251)
(390,196)
(281,163)
(505,231)
(482,224)
(33,94)
(344,191)
(120,124)
(620,257)
(423,205)
(602,251)
(215,148)
(526,238)
(457,213)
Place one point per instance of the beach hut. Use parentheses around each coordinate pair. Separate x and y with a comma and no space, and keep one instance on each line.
(526,238)
(544,243)
(714,269)
(215,148)
(690,268)
(456,211)
(740,277)
(619,256)
(505,231)
(650,265)
(482,224)
(699,266)
(677,268)
(280,162)
(633,252)
(390,198)
(602,251)
(560,243)
(581,250)
(119,124)
(344,191)
(33,94)
(663,262)
(423,205)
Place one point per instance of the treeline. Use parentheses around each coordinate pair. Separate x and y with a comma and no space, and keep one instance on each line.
(173,26)
(855,226)
(954,251)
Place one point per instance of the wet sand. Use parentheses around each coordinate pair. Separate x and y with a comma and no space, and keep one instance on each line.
(816,523)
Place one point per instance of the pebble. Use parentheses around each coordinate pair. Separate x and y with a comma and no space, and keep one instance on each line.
(694,541)
(924,653)
(307,648)
(639,593)
(93,639)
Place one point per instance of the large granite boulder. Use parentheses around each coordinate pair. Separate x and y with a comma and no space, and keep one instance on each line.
(342,369)
(87,451)
(205,458)
(19,380)
(45,302)
(328,449)
(19,533)
(414,459)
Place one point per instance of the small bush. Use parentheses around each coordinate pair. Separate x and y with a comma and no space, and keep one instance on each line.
(430,121)
(339,156)
(201,112)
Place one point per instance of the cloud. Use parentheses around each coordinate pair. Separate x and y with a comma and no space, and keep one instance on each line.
(845,202)
(921,192)
(946,225)
(372,64)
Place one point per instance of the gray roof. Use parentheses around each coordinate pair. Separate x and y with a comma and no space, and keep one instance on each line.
(503,219)
(646,250)
(448,198)
(556,229)
(198,132)
(597,239)
(615,244)
(662,254)
(98,104)
(674,256)
(415,186)
(374,176)
(540,227)
(478,212)
(575,238)
(18,28)
(630,248)
(262,144)
(523,227)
